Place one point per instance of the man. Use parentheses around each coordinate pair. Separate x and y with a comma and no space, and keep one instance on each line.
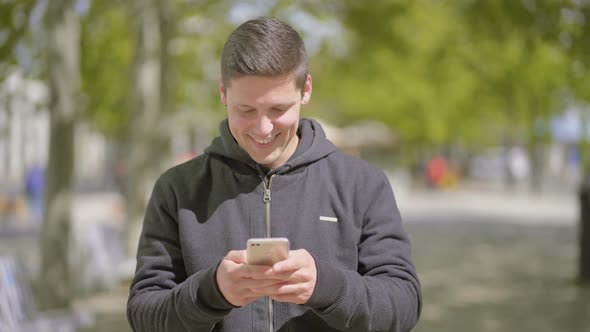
(34,189)
(272,174)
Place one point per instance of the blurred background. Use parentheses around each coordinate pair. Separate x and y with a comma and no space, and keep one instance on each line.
(479,111)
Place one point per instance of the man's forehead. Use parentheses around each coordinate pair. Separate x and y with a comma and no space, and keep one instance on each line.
(286,79)
(253,87)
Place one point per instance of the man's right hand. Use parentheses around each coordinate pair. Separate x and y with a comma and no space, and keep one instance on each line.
(236,278)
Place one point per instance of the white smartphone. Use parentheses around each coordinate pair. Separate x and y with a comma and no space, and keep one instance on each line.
(267,251)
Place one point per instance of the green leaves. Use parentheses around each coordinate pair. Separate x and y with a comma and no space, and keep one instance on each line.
(15,23)
(107,53)
(435,71)
(439,72)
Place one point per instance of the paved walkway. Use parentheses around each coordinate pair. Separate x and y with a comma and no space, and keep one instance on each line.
(488,261)
(480,206)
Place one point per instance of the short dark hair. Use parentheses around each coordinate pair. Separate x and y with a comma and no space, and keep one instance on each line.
(264,47)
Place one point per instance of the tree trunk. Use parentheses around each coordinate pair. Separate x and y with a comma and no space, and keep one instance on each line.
(509,178)
(5,140)
(147,143)
(584,200)
(584,232)
(536,161)
(64,82)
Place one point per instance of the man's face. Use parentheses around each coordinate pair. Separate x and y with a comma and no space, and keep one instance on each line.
(263,114)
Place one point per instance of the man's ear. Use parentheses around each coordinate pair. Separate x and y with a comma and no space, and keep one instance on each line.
(222,92)
(307,87)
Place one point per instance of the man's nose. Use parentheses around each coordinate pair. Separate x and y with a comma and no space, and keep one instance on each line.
(264,126)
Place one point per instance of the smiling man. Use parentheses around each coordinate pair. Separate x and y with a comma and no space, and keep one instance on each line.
(263,115)
(271,173)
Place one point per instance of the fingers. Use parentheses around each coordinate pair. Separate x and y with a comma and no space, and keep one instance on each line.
(277,289)
(290,264)
(236,261)
(230,276)
(254,284)
(292,280)
(297,260)
(300,275)
(294,293)
(237,256)
(235,278)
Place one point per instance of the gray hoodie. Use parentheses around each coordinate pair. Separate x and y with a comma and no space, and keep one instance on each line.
(339,208)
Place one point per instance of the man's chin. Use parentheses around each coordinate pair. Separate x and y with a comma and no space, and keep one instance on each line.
(265,161)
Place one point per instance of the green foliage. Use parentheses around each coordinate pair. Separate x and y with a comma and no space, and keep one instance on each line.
(404,69)
(196,39)
(464,72)
(437,72)
(199,43)
(15,25)
(107,54)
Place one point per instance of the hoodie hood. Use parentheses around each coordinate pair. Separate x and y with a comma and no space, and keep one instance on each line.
(313,145)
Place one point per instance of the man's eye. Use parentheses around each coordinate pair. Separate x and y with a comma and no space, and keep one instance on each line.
(278,110)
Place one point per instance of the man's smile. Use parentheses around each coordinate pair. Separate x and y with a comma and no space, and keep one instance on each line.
(263,141)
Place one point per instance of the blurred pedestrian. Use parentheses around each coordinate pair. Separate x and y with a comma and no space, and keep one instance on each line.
(35,191)
(438,168)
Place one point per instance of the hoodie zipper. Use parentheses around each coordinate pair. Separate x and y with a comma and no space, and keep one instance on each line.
(266,199)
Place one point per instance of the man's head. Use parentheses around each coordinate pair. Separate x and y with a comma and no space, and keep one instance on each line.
(264,81)
(264,47)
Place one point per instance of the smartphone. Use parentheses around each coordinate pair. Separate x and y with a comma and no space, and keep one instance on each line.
(267,251)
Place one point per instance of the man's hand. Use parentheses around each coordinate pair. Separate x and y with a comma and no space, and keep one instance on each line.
(236,278)
(297,276)
(292,280)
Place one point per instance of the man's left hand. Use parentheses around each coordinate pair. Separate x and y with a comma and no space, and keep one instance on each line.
(299,275)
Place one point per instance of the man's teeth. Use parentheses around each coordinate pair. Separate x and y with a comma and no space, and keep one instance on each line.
(263,141)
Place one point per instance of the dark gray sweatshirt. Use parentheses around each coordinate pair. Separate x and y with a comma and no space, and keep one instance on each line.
(339,208)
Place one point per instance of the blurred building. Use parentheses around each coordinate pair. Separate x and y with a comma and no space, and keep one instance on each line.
(24,126)
(24,134)
(361,136)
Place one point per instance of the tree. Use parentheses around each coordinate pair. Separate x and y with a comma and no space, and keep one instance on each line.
(405,67)
(152,88)
(15,23)
(443,74)
(106,63)
(63,31)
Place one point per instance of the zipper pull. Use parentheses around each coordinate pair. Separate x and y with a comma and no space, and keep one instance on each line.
(266,197)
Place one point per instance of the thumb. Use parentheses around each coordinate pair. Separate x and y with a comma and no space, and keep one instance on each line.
(236,256)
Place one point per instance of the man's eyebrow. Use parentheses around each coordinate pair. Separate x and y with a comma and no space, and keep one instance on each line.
(280,105)
(244,106)
(285,105)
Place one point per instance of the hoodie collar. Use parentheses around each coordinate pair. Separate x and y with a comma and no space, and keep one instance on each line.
(313,145)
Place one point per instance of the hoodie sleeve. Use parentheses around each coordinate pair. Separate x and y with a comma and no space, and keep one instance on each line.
(384,294)
(162,296)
